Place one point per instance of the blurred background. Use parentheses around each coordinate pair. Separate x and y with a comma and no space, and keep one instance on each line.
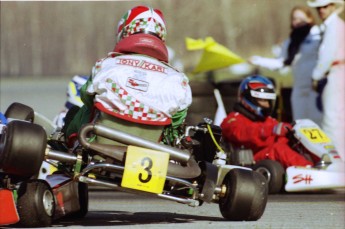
(56,40)
(65,38)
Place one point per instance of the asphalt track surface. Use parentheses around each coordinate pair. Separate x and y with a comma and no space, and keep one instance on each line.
(46,96)
(113,209)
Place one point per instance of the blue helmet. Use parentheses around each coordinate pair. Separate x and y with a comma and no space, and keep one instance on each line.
(257,87)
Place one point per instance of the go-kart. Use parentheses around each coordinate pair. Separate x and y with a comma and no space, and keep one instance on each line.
(184,171)
(26,196)
(308,139)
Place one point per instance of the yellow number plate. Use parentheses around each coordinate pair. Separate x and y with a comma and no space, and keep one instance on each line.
(315,135)
(145,169)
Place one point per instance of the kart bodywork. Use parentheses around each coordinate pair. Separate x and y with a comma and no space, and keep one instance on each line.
(329,169)
(185,172)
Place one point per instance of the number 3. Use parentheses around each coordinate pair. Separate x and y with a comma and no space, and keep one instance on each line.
(147,169)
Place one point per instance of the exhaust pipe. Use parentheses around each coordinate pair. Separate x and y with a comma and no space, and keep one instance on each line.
(60,156)
(128,139)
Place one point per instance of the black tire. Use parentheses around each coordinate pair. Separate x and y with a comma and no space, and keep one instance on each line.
(23,148)
(83,193)
(246,195)
(274,172)
(20,111)
(36,204)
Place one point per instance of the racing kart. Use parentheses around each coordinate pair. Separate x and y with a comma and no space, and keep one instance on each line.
(28,196)
(307,138)
(186,171)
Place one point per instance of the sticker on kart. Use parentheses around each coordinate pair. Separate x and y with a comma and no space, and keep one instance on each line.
(145,169)
(315,135)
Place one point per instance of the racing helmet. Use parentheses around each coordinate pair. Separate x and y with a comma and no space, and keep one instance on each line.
(257,87)
(73,91)
(142,19)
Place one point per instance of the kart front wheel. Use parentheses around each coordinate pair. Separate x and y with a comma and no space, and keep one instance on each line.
(20,111)
(36,204)
(245,197)
(22,148)
(274,172)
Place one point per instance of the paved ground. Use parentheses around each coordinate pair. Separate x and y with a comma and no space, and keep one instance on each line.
(109,209)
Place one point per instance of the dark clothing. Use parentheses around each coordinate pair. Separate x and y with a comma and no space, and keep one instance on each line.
(297,36)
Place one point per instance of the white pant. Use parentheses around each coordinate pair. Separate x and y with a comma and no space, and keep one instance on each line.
(333,99)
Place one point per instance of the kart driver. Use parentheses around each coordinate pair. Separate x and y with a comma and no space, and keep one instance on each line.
(73,98)
(251,126)
(135,82)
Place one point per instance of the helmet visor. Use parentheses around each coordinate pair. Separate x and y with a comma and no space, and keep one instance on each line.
(263,95)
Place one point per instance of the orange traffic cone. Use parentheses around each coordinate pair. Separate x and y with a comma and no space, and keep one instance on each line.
(8,210)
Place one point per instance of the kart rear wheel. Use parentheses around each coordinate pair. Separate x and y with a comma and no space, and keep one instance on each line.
(36,204)
(274,172)
(23,148)
(245,197)
(20,111)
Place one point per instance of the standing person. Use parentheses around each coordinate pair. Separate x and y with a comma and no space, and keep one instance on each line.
(134,87)
(299,52)
(330,68)
(250,124)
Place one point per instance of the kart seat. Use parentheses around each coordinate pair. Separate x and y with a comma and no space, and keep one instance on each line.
(147,132)
(240,155)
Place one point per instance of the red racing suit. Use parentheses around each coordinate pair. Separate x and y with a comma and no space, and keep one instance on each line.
(258,136)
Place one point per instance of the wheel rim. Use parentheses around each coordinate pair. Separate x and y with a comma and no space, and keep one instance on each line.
(48,202)
(265,172)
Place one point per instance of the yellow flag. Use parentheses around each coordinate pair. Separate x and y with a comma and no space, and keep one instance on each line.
(198,44)
(215,56)
(193,44)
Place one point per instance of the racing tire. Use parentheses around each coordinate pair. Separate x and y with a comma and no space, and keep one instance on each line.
(36,204)
(23,148)
(83,195)
(246,194)
(20,111)
(274,172)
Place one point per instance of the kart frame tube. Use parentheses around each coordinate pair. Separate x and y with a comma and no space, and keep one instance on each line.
(128,139)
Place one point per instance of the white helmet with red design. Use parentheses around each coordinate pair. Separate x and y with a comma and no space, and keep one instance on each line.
(142,19)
